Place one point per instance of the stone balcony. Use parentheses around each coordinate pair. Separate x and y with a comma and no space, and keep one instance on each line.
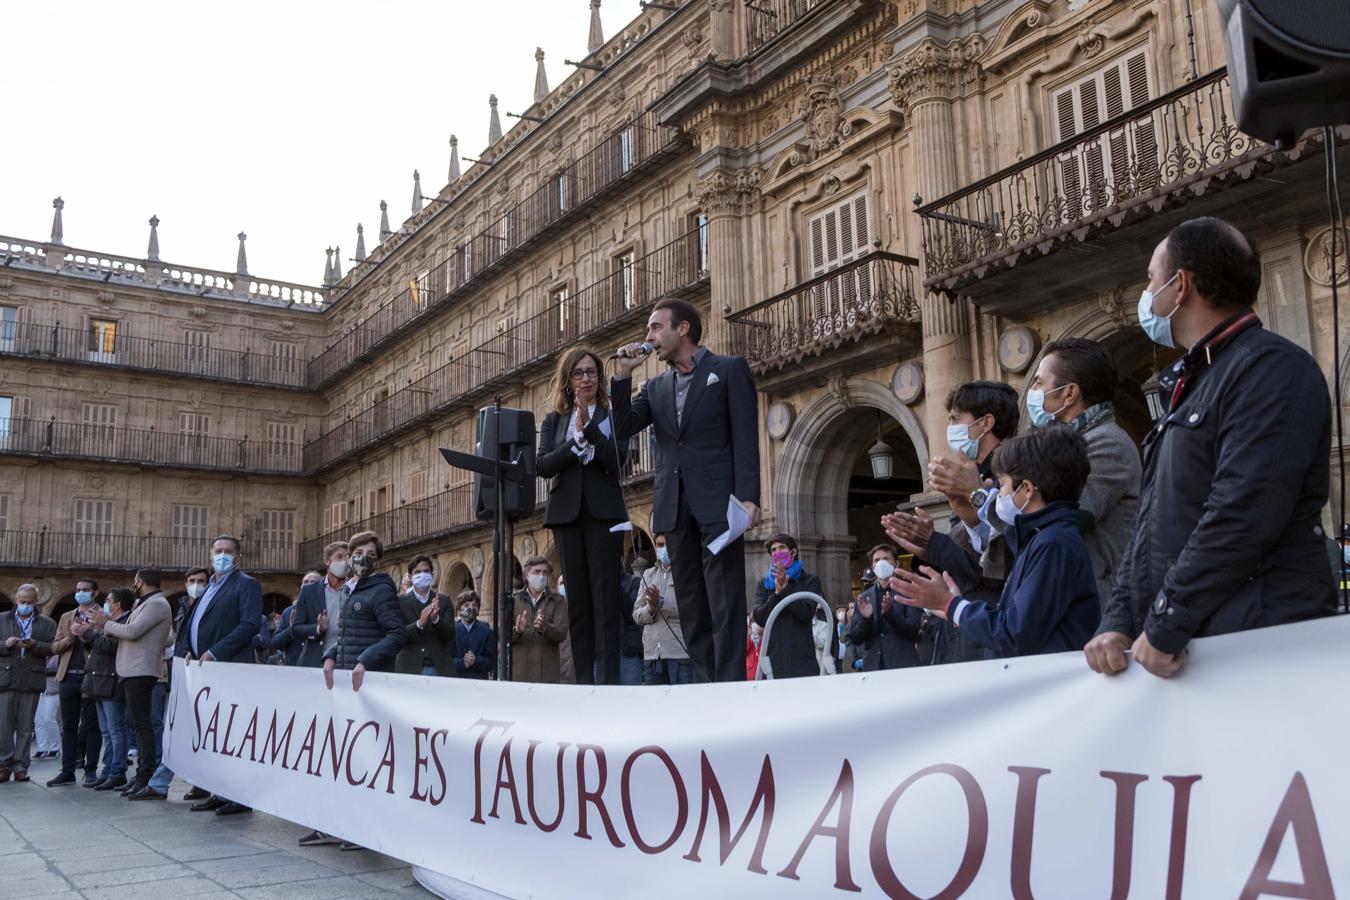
(98,551)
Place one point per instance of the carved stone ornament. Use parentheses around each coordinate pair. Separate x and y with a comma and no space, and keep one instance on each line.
(476,562)
(718,6)
(907,382)
(933,71)
(106,297)
(1115,307)
(527,547)
(1317,259)
(736,193)
(1017,348)
(198,312)
(838,388)
(287,325)
(1091,39)
(6,284)
(821,113)
(779,419)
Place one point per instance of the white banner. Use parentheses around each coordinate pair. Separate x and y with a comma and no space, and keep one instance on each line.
(1018,778)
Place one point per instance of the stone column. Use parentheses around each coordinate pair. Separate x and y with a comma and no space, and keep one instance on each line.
(722,27)
(925,84)
(726,198)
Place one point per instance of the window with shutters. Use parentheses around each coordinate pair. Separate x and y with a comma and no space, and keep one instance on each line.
(334,516)
(1118,163)
(7,424)
(92,517)
(699,224)
(836,237)
(193,428)
(281,442)
(557,302)
(352,514)
(196,346)
(417,486)
(627,147)
(189,523)
(97,423)
(377,501)
(102,339)
(4,512)
(9,326)
(278,528)
(286,357)
(623,274)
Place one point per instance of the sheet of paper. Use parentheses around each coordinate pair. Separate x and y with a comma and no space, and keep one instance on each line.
(738,522)
(622,526)
(605,428)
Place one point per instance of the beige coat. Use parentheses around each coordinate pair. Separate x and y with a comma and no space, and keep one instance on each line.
(535,654)
(661,637)
(141,639)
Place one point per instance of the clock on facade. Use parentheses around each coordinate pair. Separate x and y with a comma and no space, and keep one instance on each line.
(1017,347)
(779,419)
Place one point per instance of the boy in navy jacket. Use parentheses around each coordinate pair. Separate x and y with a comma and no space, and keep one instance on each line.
(1049,603)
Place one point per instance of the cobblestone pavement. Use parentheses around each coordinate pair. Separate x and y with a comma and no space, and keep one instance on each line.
(74,842)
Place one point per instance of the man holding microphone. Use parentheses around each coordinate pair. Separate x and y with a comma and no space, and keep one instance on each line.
(705,414)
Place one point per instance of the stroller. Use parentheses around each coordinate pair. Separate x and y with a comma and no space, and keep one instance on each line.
(764,670)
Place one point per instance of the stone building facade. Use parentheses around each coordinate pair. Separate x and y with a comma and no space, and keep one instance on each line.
(872,200)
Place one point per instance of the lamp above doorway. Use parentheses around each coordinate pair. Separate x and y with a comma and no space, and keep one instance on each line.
(882,456)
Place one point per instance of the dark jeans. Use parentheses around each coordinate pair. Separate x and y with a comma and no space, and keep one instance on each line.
(139,691)
(667,671)
(157,700)
(81,739)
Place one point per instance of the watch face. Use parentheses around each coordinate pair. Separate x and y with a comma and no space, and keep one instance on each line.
(979,497)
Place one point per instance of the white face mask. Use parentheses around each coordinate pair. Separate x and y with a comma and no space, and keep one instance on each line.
(195,591)
(883,569)
(339,568)
(538,582)
(422,580)
(1007,509)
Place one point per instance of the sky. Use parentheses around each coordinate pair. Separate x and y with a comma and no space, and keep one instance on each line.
(287,120)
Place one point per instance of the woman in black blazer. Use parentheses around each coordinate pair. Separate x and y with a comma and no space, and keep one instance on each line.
(579,454)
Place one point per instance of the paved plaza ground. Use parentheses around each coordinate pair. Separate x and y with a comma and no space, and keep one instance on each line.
(75,842)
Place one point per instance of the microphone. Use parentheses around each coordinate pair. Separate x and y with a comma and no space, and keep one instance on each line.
(645,348)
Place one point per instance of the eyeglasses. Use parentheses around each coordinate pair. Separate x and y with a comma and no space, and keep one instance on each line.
(585,374)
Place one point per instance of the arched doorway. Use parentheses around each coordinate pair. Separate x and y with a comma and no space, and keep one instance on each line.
(458,580)
(274,602)
(824,492)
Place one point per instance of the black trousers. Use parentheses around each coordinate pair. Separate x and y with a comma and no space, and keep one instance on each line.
(710,594)
(81,739)
(592,557)
(139,690)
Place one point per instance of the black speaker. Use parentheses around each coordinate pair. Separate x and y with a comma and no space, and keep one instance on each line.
(1289,64)
(509,439)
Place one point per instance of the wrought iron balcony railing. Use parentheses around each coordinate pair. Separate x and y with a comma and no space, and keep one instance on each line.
(562,198)
(765,19)
(674,268)
(452,510)
(58,342)
(874,293)
(128,552)
(1094,179)
(74,440)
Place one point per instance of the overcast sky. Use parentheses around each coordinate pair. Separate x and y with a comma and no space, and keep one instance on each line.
(289,120)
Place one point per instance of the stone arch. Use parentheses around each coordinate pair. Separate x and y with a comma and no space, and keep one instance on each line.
(457,580)
(275,602)
(811,484)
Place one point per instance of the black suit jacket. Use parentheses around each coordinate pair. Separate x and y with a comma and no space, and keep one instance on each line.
(436,641)
(230,623)
(714,451)
(303,631)
(570,480)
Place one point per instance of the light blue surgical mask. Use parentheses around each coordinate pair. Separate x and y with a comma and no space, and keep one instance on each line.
(107,609)
(1345,555)
(83,597)
(223,563)
(1040,416)
(1158,328)
(1007,509)
(663,556)
(24,609)
(960,441)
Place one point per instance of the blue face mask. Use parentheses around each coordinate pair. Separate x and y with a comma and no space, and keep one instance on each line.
(223,563)
(83,597)
(960,441)
(1345,555)
(1158,328)
(107,609)
(1040,417)
(25,609)
(1007,509)
(663,556)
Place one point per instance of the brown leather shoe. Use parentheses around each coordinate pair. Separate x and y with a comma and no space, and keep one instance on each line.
(4,775)
(20,776)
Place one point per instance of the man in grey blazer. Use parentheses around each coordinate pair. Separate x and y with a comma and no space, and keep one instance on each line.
(705,415)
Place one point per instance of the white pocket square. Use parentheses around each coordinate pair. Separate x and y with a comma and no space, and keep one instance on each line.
(712,379)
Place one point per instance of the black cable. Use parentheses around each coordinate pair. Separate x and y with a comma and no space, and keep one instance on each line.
(1337,217)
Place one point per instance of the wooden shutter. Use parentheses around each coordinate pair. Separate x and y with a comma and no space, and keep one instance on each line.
(839,235)
(1099,173)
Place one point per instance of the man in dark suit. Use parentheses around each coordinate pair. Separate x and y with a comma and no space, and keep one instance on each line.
(704,410)
(430,643)
(221,628)
(314,623)
(284,639)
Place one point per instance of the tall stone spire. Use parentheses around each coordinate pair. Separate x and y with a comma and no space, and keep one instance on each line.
(385,233)
(454,159)
(597,35)
(540,76)
(494,123)
(360,243)
(337,264)
(417,192)
(58,204)
(241,264)
(152,252)
(328,267)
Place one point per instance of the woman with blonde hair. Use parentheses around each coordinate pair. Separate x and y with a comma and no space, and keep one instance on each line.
(580,456)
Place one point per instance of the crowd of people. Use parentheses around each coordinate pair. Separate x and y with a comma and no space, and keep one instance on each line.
(1062,537)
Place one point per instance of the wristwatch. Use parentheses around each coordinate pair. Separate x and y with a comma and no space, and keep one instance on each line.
(979,497)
